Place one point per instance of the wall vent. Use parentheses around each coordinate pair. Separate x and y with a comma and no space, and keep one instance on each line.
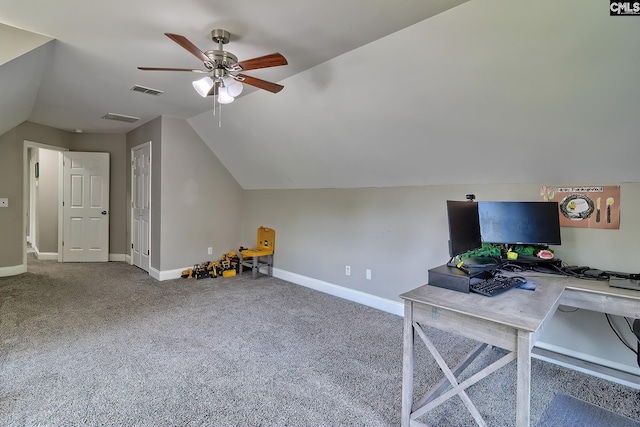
(147,90)
(120,117)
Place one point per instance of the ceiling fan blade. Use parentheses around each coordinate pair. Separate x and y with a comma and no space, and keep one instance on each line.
(172,69)
(259,83)
(185,43)
(271,60)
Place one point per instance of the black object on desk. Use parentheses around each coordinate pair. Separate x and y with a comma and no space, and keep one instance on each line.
(624,283)
(496,285)
(455,279)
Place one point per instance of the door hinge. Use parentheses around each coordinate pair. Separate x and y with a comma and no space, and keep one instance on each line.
(147,252)
(63,243)
(132,246)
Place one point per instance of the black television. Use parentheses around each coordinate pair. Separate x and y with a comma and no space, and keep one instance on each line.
(464,227)
(524,223)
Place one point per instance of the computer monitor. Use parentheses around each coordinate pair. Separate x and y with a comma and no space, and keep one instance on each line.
(525,223)
(464,227)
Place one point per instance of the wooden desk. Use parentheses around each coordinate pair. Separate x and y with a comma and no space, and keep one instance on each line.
(512,321)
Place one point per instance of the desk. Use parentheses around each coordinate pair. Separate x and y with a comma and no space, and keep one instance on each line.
(512,321)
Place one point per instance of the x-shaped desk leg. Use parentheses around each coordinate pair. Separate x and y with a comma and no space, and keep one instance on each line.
(458,388)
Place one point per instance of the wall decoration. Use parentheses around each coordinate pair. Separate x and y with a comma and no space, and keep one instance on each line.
(585,206)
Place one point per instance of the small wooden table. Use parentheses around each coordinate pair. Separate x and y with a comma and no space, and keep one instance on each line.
(512,321)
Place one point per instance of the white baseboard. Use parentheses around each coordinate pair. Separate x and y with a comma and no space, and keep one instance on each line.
(46,256)
(369,300)
(117,257)
(13,270)
(167,274)
(128,259)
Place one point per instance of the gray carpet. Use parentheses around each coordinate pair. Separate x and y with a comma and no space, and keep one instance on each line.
(105,344)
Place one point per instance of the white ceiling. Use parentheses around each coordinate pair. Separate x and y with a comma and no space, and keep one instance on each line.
(99,46)
(377,93)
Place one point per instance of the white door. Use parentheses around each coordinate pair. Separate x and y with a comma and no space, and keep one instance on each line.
(85,207)
(141,206)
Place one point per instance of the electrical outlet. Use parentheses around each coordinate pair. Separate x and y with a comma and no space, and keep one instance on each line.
(347,270)
(210,250)
(368,274)
(4,202)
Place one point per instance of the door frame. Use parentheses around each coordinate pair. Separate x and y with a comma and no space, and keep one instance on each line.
(26,193)
(131,165)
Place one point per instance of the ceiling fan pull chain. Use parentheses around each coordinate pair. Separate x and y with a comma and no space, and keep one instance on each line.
(220,117)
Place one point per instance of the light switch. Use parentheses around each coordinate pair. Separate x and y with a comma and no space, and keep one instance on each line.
(4,202)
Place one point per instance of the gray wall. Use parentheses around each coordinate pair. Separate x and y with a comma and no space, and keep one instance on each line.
(11,184)
(201,201)
(399,233)
(11,179)
(195,202)
(47,202)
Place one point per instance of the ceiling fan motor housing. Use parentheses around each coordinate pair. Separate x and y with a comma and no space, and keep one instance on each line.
(221,59)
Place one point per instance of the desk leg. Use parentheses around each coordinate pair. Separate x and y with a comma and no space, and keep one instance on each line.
(523,402)
(254,268)
(407,365)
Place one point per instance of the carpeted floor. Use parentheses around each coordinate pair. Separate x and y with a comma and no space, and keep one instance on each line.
(105,344)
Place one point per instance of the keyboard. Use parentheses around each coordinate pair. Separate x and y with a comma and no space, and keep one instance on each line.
(496,285)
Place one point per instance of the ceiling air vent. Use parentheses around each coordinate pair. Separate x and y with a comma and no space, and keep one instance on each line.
(147,90)
(120,117)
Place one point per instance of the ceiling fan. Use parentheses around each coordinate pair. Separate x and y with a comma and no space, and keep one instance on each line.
(223,68)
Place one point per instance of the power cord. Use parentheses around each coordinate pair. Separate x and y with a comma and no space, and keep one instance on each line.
(635,351)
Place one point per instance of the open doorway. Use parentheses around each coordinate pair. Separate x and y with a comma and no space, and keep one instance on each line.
(42,192)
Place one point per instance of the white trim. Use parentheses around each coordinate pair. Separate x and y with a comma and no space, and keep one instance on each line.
(117,257)
(127,259)
(60,207)
(13,270)
(46,256)
(167,274)
(393,307)
(155,273)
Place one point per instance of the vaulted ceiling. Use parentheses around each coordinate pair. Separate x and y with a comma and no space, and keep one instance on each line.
(377,93)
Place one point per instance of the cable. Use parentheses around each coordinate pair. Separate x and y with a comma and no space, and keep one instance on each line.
(618,335)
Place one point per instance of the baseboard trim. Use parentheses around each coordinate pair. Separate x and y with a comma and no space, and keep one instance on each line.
(46,256)
(117,257)
(363,298)
(165,275)
(128,259)
(13,270)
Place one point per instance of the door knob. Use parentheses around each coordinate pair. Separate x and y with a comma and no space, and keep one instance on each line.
(105,212)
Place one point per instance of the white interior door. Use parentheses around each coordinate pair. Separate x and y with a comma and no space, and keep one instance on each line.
(141,206)
(85,207)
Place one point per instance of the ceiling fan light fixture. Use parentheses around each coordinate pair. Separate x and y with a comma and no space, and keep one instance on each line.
(203,86)
(234,87)
(223,96)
